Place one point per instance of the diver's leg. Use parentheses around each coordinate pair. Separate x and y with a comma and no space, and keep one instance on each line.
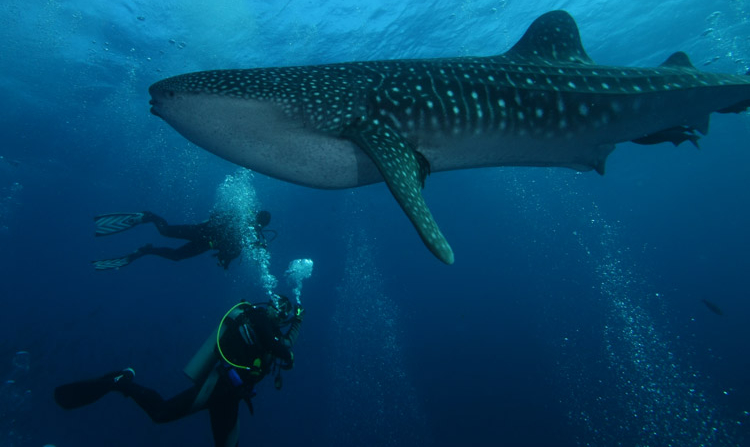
(223,407)
(157,220)
(189,232)
(192,248)
(158,409)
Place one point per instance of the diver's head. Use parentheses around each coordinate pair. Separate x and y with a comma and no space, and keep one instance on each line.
(263,218)
(279,308)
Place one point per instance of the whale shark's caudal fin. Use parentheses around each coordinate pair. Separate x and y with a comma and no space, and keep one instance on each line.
(404,170)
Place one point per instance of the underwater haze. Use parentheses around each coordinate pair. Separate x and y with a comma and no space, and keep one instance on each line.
(582,310)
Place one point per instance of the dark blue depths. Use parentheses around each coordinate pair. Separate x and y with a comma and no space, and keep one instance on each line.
(572,316)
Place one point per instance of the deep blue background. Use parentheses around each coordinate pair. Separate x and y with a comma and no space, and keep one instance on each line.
(572,315)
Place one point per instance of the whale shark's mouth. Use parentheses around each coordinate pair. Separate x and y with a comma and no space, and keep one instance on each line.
(154,104)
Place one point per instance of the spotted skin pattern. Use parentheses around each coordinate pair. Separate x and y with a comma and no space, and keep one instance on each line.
(542,103)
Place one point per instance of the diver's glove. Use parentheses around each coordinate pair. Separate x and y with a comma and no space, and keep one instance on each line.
(299,313)
(294,324)
(287,364)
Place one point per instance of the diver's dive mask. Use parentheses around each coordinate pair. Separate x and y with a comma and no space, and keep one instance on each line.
(280,307)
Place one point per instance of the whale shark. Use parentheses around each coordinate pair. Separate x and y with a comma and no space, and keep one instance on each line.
(544,102)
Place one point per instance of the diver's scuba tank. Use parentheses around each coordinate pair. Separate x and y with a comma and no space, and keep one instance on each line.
(203,360)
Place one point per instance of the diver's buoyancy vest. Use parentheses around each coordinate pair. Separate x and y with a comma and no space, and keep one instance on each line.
(204,360)
(241,347)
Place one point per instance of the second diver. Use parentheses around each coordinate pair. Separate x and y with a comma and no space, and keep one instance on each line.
(221,232)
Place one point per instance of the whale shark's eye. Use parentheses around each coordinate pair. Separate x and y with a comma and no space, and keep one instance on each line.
(170,93)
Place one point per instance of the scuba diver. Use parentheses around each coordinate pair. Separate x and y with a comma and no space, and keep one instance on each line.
(221,232)
(247,345)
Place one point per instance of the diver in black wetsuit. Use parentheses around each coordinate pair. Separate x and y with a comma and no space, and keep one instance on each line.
(225,371)
(221,232)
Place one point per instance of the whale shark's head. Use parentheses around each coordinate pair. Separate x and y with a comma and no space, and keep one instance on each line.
(168,94)
(189,101)
(250,117)
(227,125)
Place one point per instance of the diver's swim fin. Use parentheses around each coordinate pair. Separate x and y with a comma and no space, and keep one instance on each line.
(109,264)
(107,224)
(78,394)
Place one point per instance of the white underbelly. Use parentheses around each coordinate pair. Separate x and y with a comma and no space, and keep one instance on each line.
(259,136)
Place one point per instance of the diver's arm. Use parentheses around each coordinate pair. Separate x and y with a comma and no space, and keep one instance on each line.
(291,336)
(294,325)
(283,351)
(271,337)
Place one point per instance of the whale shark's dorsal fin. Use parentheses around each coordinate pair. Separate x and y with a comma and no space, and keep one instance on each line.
(678,60)
(554,37)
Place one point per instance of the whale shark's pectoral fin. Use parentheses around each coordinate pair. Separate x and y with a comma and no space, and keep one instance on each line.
(404,171)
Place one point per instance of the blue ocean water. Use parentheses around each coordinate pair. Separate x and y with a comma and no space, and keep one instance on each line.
(573,313)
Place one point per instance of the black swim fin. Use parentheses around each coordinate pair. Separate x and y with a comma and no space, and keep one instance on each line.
(79,394)
(107,224)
